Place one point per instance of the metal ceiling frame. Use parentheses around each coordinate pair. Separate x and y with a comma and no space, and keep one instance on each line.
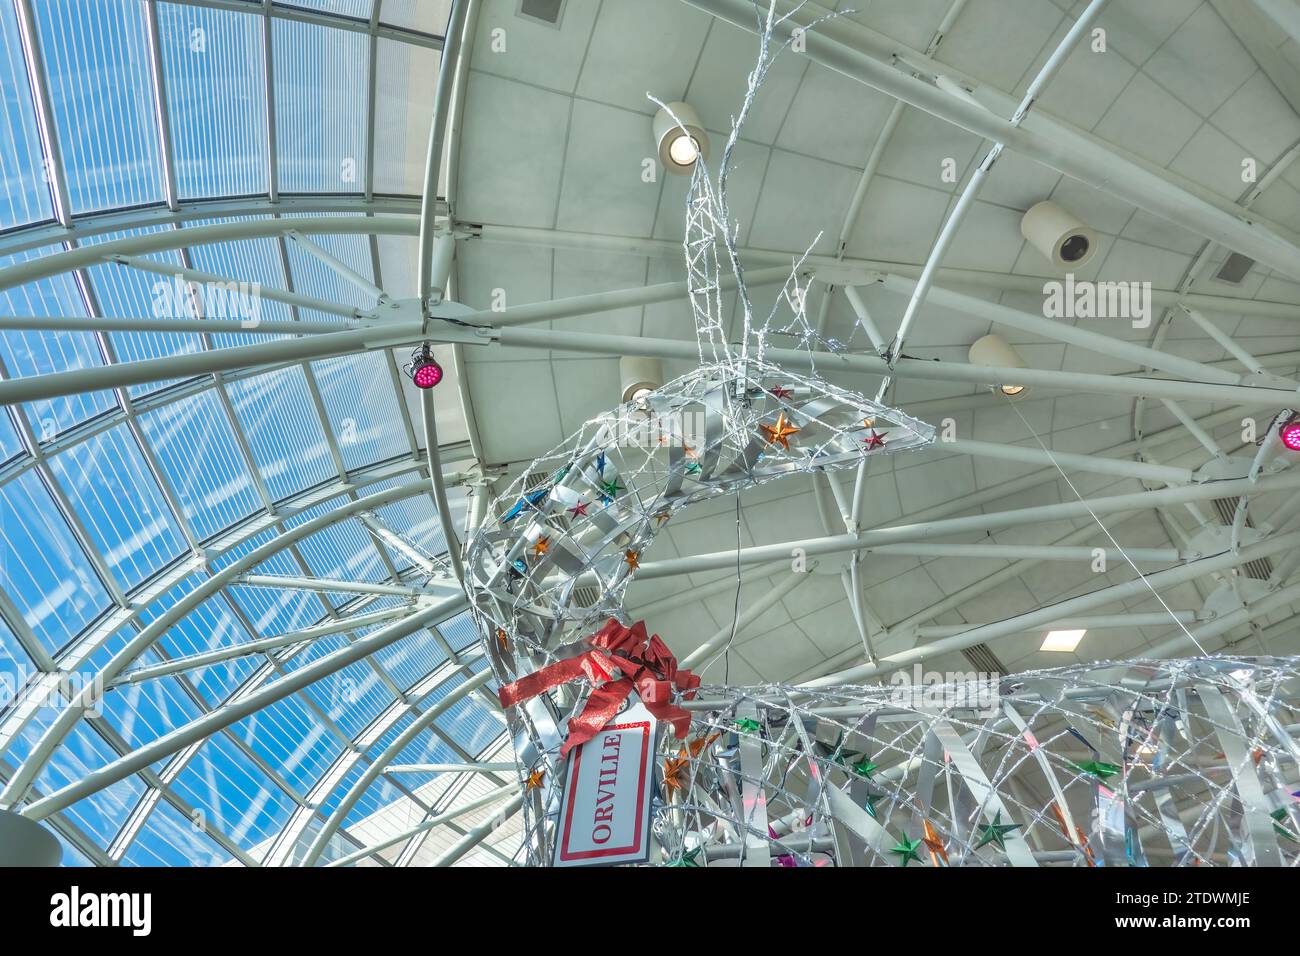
(847,47)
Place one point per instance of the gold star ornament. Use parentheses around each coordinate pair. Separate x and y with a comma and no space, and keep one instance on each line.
(780,432)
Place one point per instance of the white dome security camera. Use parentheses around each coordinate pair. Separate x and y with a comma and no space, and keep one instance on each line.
(1067,243)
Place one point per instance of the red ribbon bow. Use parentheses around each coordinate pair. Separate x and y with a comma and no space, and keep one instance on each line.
(621,659)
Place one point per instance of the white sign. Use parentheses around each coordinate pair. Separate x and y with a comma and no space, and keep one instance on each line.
(605,814)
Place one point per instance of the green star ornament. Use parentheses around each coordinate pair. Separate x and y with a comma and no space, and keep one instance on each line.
(906,849)
(864,767)
(996,832)
(1097,768)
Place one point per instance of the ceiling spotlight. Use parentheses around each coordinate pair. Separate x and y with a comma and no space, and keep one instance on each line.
(1064,641)
(680,137)
(639,376)
(993,351)
(423,368)
(1290,432)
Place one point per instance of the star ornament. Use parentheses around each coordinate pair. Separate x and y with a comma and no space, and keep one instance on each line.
(541,546)
(748,726)
(610,489)
(906,850)
(535,779)
(874,440)
(501,639)
(1097,768)
(780,432)
(864,768)
(835,752)
(687,859)
(870,805)
(633,559)
(579,509)
(780,391)
(676,771)
(934,844)
(996,832)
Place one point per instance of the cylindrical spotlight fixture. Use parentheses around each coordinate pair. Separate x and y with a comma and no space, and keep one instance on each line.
(1289,432)
(423,368)
(1066,242)
(639,377)
(680,141)
(993,351)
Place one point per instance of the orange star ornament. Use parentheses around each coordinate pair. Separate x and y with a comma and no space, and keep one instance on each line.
(779,433)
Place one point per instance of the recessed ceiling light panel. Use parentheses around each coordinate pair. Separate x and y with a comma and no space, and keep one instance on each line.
(1062,641)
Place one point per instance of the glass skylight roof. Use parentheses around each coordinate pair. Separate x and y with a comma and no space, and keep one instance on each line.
(130,511)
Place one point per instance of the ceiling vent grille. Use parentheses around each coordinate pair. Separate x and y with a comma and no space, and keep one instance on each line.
(984,660)
(1234,268)
(1261,569)
(586,595)
(544,11)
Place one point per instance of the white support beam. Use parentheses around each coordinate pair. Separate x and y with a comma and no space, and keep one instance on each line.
(261,645)
(1098,622)
(868,540)
(266,292)
(1156,581)
(451,768)
(162,115)
(395,747)
(1093,464)
(338,266)
(55,172)
(480,833)
(236,710)
(327,585)
(478,803)
(872,59)
(442,103)
(90,323)
(827,362)
(851,270)
(1060,331)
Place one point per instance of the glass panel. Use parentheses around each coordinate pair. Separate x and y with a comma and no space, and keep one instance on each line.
(404,80)
(280,421)
(101,93)
(215,78)
(234,794)
(426,16)
(101,814)
(42,568)
(358,395)
(320,107)
(199,456)
(313,277)
(32,352)
(357,9)
(10,444)
(123,292)
(253,264)
(25,197)
(118,501)
(170,839)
